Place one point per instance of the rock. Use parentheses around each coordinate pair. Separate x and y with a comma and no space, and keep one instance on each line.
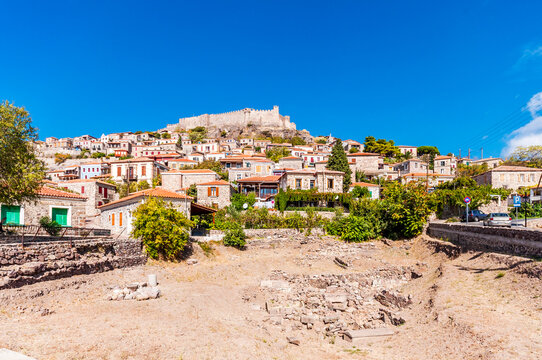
(293,340)
(191,261)
(387,298)
(133,286)
(341,263)
(142,296)
(352,335)
(308,319)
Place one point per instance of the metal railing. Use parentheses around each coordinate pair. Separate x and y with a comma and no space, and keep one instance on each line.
(30,233)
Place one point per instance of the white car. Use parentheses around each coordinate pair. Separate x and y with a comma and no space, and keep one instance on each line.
(498,219)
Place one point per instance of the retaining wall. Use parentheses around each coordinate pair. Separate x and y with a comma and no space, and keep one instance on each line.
(21,265)
(517,241)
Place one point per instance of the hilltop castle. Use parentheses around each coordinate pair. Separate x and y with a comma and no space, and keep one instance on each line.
(260,119)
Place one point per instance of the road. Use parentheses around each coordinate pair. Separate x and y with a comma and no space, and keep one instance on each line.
(518,222)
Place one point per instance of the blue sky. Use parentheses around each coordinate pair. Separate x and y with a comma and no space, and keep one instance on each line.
(454,74)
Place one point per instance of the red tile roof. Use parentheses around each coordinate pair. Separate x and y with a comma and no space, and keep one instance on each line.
(270,178)
(56,193)
(363,184)
(190,171)
(218,182)
(156,192)
(363,154)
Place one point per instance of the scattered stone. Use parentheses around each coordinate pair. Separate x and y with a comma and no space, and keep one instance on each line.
(338,261)
(134,291)
(388,298)
(352,335)
(192,261)
(293,340)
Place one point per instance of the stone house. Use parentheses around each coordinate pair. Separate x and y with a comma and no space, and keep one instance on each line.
(178,164)
(374,189)
(491,162)
(66,208)
(135,170)
(445,165)
(196,156)
(291,162)
(413,150)
(411,165)
(305,179)
(262,186)
(175,180)
(510,177)
(368,163)
(117,216)
(216,194)
(92,169)
(96,191)
(236,174)
(312,158)
(432,179)
(352,144)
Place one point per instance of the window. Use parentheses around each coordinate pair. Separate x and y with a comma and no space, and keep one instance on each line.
(443,163)
(442,171)
(144,170)
(60,215)
(298,183)
(258,168)
(120,219)
(522,177)
(112,219)
(100,189)
(330,183)
(312,184)
(532,177)
(118,170)
(11,214)
(105,192)
(82,189)
(212,191)
(501,176)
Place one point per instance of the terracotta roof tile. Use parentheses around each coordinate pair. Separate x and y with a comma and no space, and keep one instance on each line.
(270,178)
(190,171)
(56,193)
(363,154)
(363,184)
(156,192)
(218,182)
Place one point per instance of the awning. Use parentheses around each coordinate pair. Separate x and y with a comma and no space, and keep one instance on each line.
(198,209)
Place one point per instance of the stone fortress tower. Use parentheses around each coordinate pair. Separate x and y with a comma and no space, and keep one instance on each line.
(240,119)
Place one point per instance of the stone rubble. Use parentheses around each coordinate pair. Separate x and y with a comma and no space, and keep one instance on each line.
(332,304)
(134,291)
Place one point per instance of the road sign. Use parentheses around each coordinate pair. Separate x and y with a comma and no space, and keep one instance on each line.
(517,201)
(466,200)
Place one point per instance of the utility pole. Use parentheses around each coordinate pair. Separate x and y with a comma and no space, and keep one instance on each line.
(469,153)
(460,153)
(482,149)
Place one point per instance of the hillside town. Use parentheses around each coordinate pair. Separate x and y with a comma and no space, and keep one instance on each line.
(200,173)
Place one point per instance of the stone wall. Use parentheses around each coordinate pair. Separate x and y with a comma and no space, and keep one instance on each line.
(221,201)
(240,118)
(259,233)
(52,260)
(517,241)
(33,212)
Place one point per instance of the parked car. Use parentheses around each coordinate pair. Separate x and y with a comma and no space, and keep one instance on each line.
(474,215)
(498,219)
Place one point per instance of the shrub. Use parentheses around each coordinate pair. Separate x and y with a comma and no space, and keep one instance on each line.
(162,228)
(235,236)
(238,200)
(51,227)
(352,229)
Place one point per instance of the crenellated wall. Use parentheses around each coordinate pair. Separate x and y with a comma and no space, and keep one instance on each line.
(266,119)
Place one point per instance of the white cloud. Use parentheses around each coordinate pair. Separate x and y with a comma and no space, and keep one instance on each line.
(529,134)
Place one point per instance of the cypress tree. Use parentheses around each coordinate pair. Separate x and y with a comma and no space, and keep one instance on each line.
(338,162)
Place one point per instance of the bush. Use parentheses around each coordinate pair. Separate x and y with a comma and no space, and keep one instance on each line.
(51,227)
(235,236)
(162,228)
(352,229)
(238,200)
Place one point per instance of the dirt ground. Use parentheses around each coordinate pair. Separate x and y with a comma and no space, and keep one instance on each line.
(476,306)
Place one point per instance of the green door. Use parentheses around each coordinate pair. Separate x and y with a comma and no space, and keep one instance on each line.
(11,215)
(60,216)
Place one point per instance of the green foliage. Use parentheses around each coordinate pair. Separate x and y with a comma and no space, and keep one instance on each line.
(213,165)
(125,189)
(460,182)
(360,176)
(235,236)
(276,153)
(321,141)
(166,136)
(162,228)
(528,155)
(238,200)
(449,196)
(143,185)
(301,198)
(21,172)
(192,191)
(338,162)
(353,150)
(223,133)
(60,158)
(471,170)
(51,227)
(297,140)
(157,181)
(431,150)
(352,229)
(98,155)
(381,146)
(405,209)
(360,192)
(527,209)
(197,134)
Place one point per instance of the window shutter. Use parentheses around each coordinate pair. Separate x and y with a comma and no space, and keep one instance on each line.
(217,191)
(113,219)
(209,191)
(118,171)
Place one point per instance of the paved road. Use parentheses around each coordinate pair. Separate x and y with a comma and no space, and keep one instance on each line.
(518,222)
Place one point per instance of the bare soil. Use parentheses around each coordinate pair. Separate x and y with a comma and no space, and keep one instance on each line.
(477,306)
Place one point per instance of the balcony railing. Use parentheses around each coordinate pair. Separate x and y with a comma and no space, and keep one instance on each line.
(36,233)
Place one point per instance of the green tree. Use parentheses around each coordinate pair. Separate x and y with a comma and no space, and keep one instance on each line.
(162,228)
(21,173)
(527,155)
(277,153)
(213,165)
(360,192)
(381,146)
(338,162)
(197,134)
(297,140)
(431,150)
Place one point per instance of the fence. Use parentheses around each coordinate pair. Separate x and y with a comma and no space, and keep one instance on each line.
(34,233)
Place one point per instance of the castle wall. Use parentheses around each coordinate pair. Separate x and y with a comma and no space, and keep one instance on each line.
(263,119)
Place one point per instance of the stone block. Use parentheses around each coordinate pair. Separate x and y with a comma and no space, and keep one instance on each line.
(352,335)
